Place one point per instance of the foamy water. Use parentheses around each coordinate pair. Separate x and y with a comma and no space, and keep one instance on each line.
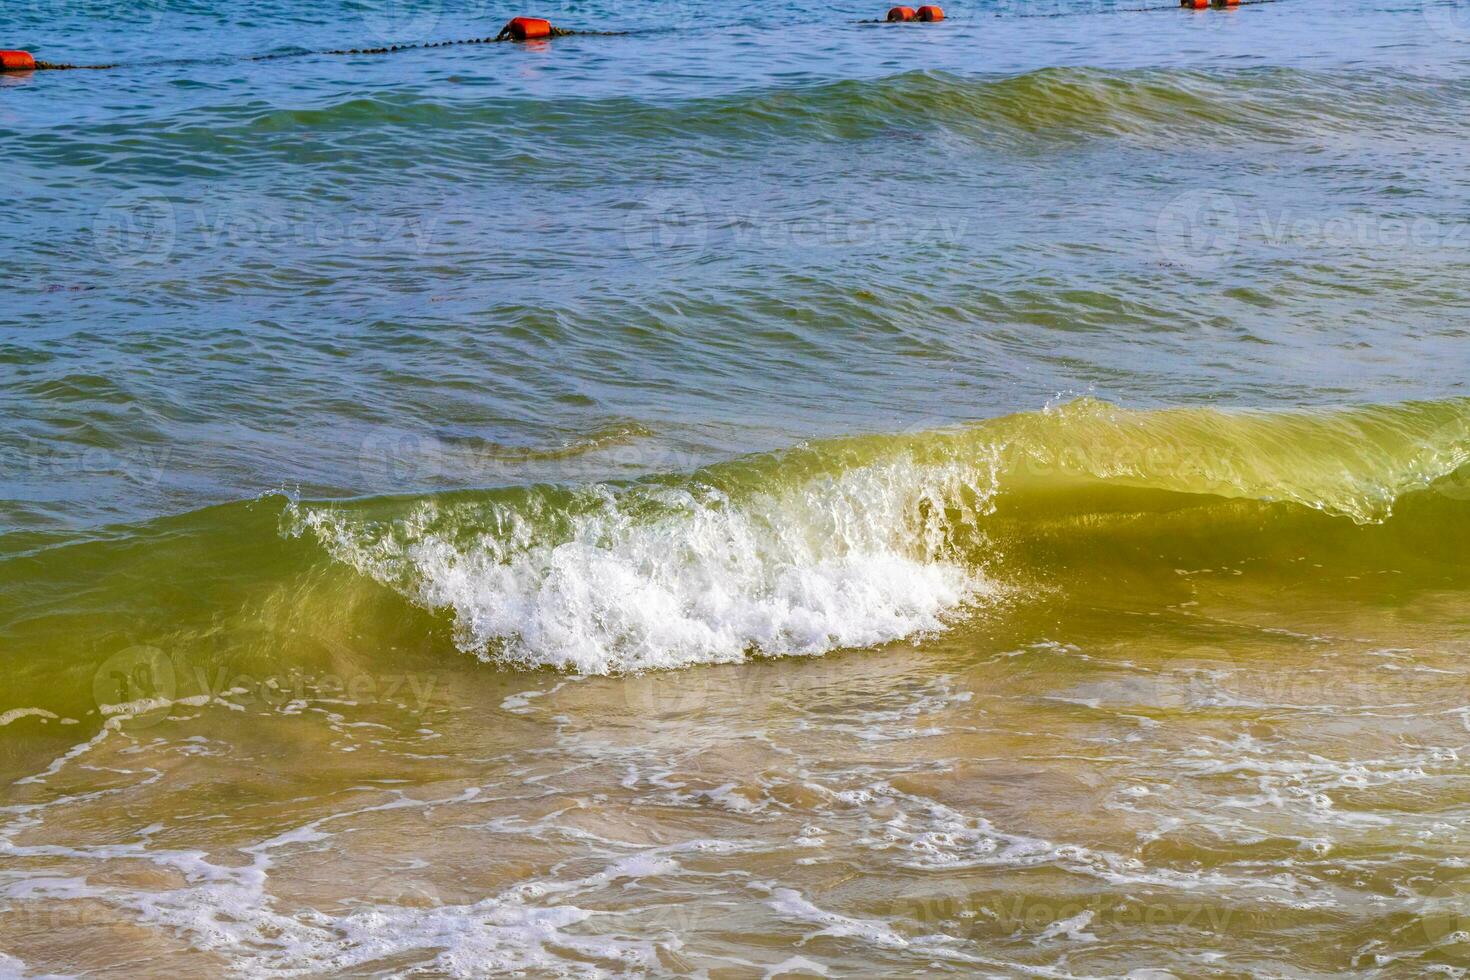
(638,578)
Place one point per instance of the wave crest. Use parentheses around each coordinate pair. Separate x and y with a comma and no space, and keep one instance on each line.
(846,543)
(615,579)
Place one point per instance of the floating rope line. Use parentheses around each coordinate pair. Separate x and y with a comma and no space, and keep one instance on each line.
(516,31)
(535,29)
(901,15)
(54,66)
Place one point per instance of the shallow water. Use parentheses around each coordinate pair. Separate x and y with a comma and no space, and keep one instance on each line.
(763,494)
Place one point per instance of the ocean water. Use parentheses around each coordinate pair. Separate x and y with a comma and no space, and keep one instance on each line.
(738,492)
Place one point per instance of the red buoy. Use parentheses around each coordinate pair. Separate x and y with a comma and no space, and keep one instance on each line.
(929,14)
(1194,4)
(16,61)
(900,14)
(528,28)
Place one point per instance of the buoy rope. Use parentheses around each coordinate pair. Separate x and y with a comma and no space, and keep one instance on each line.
(55,66)
(1084,13)
(504,35)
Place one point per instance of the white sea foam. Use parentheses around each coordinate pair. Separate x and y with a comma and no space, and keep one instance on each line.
(639,578)
(532,927)
(16,714)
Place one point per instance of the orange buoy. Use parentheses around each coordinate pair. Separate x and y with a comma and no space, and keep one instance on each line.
(900,13)
(16,61)
(528,28)
(1194,4)
(929,14)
